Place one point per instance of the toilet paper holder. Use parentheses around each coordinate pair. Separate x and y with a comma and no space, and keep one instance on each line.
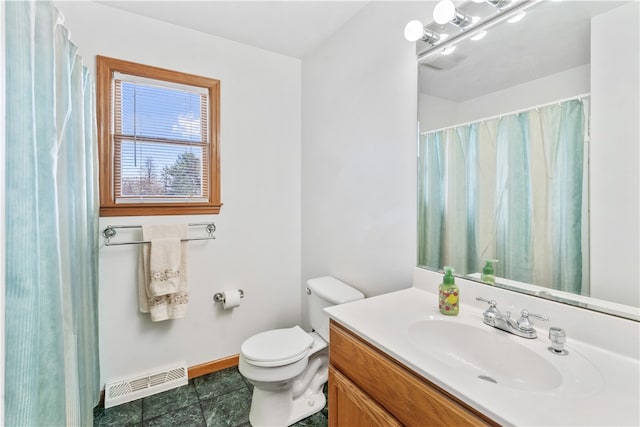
(219,296)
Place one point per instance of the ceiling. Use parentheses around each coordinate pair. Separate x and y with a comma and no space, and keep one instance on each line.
(292,28)
(553,37)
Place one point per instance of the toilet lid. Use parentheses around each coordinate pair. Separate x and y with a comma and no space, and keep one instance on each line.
(277,347)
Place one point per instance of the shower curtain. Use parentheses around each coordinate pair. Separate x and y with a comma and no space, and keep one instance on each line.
(512,188)
(51,314)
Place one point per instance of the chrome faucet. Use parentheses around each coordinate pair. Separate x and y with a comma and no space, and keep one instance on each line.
(523,327)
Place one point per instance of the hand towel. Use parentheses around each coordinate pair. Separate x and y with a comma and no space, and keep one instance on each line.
(171,305)
(164,266)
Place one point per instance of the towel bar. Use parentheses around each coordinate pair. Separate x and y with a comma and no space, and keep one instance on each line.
(110,232)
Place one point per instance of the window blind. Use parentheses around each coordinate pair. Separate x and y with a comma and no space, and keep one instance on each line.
(160,132)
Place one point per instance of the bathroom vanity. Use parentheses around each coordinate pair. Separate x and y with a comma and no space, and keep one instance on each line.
(395,360)
(363,381)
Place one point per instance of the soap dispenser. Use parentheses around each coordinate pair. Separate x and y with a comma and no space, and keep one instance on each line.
(449,294)
(488,275)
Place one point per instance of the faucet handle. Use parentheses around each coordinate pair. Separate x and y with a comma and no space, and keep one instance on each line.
(525,324)
(558,337)
(535,316)
(491,303)
(490,314)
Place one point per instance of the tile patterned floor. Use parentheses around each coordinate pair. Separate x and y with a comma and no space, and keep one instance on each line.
(220,399)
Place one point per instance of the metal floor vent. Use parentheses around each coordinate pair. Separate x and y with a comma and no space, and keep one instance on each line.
(139,386)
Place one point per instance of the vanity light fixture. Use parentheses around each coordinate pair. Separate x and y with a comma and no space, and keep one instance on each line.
(505,10)
(445,11)
(498,4)
(448,50)
(430,37)
(415,31)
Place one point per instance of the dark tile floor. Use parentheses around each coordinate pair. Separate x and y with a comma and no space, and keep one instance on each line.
(219,399)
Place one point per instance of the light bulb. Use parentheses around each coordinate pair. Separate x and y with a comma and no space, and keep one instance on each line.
(516,18)
(414,31)
(444,11)
(479,36)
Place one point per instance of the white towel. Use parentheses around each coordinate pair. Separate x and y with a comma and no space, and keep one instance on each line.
(163,289)
(164,266)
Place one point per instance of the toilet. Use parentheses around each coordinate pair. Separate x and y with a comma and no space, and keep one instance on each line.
(288,367)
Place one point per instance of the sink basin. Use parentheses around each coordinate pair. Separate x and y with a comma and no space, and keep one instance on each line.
(484,354)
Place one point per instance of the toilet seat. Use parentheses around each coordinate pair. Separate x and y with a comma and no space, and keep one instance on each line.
(276,347)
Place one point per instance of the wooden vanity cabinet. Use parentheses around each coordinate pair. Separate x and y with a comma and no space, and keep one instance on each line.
(369,388)
(353,406)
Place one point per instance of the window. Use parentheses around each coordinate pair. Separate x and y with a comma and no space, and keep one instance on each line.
(159,140)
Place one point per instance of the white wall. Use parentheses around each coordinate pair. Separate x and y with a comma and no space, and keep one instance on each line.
(615,207)
(259,229)
(359,152)
(437,113)
(564,84)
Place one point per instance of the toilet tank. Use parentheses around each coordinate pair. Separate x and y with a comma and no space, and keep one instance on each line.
(326,292)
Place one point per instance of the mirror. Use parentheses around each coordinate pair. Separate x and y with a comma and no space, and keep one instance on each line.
(565,62)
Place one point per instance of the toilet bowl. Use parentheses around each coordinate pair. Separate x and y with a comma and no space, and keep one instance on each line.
(288,367)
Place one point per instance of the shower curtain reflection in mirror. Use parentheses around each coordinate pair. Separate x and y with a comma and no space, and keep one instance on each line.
(513,188)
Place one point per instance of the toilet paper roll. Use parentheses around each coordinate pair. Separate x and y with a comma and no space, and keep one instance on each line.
(231,299)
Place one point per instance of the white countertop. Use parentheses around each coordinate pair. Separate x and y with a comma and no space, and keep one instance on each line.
(607,395)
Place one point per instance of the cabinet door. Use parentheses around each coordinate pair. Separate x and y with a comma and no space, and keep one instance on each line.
(349,406)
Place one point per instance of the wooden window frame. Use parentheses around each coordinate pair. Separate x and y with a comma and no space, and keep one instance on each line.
(106,67)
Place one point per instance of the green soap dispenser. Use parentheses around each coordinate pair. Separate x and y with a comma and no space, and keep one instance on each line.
(449,294)
(488,275)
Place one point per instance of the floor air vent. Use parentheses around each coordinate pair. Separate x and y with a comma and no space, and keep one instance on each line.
(139,386)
